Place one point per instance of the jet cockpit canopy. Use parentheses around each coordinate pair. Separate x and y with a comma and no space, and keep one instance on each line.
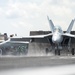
(57,29)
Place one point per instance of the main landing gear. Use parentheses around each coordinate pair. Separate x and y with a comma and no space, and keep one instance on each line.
(57,52)
(72,51)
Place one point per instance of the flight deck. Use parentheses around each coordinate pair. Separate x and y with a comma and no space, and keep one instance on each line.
(12,62)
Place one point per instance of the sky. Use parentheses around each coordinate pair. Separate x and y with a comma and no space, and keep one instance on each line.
(22,16)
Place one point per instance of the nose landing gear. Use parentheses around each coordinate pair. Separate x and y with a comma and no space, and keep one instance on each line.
(57,52)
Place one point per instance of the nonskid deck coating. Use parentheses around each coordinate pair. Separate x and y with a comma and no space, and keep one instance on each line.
(34,61)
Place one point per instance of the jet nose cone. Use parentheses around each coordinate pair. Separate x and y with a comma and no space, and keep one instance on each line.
(55,40)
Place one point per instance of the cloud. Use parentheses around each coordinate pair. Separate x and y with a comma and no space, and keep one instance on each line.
(30,15)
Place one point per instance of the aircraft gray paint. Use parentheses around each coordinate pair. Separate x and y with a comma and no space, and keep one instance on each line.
(57,35)
(57,32)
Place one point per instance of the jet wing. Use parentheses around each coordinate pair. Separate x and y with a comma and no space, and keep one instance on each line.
(39,38)
(35,38)
(69,35)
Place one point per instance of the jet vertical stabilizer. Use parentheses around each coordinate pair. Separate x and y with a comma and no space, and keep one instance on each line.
(70,26)
(51,24)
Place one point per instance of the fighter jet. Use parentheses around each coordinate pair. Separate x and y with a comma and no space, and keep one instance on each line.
(57,36)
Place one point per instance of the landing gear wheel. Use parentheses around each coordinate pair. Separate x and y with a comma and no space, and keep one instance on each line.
(47,50)
(72,51)
(58,52)
(0,51)
(55,52)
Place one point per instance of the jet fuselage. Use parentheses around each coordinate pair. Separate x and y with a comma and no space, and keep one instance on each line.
(57,35)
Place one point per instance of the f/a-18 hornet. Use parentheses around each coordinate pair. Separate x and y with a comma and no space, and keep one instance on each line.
(57,36)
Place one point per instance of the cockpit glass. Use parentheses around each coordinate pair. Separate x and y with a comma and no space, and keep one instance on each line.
(57,29)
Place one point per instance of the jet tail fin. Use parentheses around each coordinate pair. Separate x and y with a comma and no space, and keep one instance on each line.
(51,24)
(70,26)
